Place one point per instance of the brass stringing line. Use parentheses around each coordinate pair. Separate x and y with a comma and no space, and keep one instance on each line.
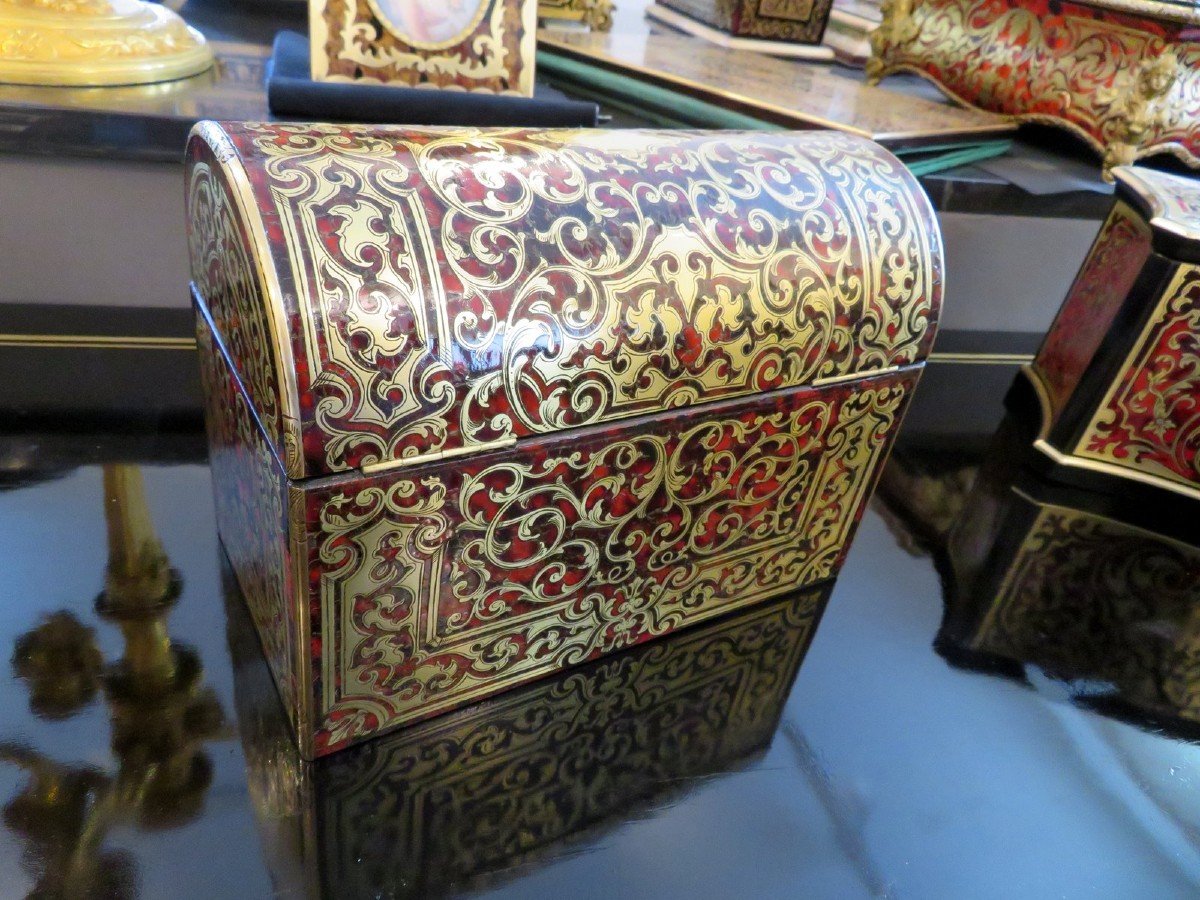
(97,341)
(129,342)
(981,359)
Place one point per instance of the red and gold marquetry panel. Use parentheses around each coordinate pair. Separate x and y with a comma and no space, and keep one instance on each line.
(252,507)
(1150,418)
(1100,289)
(455,580)
(1122,74)
(421,271)
(1119,371)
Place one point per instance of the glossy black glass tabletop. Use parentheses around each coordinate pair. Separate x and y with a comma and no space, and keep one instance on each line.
(1000,700)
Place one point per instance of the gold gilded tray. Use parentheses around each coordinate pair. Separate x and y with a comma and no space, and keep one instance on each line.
(773,90)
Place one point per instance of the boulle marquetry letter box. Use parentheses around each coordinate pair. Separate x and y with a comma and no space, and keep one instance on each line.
(486,404)
(1118,376)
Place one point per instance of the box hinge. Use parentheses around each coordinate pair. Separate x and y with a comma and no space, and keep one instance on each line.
(405,461)
(853,376)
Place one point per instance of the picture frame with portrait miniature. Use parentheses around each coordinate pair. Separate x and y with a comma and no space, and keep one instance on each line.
(472,45)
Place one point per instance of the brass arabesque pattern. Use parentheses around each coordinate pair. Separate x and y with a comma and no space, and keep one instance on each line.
(1129,87)
(427,270)
(422,603)
(1149,420)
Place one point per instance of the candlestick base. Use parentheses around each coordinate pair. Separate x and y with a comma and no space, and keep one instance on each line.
(96,42)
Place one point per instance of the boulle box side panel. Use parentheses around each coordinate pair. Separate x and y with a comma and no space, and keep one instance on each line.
(1149,420)
(257,519)
(445,583)
(1118,376)
(234,277)
(1112,265)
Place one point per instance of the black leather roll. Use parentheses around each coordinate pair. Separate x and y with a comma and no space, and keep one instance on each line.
(292,93)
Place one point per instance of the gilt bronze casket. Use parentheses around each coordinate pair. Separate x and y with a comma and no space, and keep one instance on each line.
(485,404)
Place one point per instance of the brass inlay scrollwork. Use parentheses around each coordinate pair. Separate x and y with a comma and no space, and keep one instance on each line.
(1126,85)
(461,288)
(441,587)
(1149,420)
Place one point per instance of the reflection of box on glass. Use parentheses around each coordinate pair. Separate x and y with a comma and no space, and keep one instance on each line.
(486,404)
(1061,579)
(499,785)
(1118,376)
(781,27)
(476,45)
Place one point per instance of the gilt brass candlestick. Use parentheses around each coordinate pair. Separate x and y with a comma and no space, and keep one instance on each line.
(96,42)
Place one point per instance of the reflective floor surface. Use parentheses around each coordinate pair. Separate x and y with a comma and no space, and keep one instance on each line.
(1000,700)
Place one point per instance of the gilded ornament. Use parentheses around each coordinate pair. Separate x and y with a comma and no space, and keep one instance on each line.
(96,42)
(595,14)
(1124,75)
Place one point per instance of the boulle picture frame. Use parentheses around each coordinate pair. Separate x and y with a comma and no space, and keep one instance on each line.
(474,45)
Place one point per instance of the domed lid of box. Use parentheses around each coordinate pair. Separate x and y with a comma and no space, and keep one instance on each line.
(387,294)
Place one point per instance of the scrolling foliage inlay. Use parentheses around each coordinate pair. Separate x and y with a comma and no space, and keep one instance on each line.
(1150,419)
(249,492)
(1127,82)
(225,276)
(1101,286)
(455,288)
(459,580)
